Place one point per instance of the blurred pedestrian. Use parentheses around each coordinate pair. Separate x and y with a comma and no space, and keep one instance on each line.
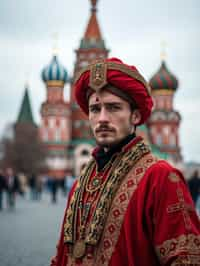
(69,183)
(63,186)
(32,184)
(54,188)
(194,186)
(39,187)
(22,184)
(2,188)
(198,205)
(12,187)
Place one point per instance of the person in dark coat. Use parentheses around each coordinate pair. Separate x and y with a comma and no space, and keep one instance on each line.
(32,184)
(2,188)
(194,186)
(12,187)
(54,189)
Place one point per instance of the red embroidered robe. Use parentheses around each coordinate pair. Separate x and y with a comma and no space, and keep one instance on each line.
(152,221)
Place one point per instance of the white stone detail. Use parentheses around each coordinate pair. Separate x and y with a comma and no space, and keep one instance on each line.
(79,158)
(56,163)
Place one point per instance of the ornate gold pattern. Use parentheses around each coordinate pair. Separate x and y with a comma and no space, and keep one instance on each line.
(183,207)
(187,260)
(120,167)
(97,182)
(118,208)
(111,65)
(79,249)
(87,261)
(173,177)
(98,78)
(186,247)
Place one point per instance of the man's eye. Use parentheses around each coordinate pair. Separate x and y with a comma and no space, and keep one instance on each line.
(94,109)
(113,108)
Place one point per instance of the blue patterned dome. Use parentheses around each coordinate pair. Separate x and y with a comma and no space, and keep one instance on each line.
(54,72)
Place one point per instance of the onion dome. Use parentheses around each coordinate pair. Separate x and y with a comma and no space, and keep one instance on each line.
(54,71)
(163,79)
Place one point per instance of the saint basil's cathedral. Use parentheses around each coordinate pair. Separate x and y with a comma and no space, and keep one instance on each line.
(65,130)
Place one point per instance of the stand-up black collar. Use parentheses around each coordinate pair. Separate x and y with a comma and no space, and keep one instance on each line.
(102,157)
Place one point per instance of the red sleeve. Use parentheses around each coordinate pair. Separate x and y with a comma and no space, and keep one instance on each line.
(57,259)
(176,226)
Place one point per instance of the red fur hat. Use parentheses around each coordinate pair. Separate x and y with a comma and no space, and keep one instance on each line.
(114,72)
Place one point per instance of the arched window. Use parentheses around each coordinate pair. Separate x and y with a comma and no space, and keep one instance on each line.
(57,134)
(52,122)
(45,134)
(158,139)
(84,152)
(172,140)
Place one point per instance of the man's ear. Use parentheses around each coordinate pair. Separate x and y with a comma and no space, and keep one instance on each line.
(135,117)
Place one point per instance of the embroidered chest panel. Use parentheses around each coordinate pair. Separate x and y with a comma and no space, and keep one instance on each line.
(104,229)
(118,209)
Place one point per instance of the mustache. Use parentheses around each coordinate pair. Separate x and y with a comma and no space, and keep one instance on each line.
(103,128)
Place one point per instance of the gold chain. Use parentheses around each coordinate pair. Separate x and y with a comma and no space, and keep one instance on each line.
(84,209)
(98,177)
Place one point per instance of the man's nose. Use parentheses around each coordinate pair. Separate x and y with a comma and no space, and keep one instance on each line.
(103,115)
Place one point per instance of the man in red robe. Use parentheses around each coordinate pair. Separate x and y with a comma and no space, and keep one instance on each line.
(127,207)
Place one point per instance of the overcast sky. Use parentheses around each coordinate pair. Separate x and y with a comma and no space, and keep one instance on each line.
(132,30)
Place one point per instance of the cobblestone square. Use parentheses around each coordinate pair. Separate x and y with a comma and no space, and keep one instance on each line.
(29,233)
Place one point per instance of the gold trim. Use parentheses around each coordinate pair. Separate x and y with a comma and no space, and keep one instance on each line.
(187,260)
(173,177)
(182,206)
(87,261)
(184,244)
(118,208)
(98,78)
(56,83)
(164,92)
(115,66)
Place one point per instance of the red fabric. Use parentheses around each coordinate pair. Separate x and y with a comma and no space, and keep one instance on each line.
(148,224)
(131,86)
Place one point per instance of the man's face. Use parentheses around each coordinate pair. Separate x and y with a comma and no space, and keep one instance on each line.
(9,171)
(111,118)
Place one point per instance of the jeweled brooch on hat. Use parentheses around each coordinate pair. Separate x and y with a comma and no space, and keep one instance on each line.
(98,75)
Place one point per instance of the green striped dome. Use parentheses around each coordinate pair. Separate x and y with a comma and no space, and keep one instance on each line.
(163,79)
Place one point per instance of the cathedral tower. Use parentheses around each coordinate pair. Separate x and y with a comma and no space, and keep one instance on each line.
(55,130)
(25,115)
(164,122)
(92,47)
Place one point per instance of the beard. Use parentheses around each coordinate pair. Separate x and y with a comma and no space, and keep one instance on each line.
(107,136)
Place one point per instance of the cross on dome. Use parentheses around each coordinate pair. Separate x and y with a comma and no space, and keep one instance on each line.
(163,53)
(94,3)
(55,43)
